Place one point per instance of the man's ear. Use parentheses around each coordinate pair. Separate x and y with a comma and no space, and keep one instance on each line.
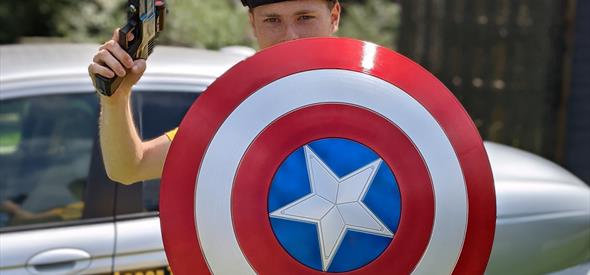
(335,16)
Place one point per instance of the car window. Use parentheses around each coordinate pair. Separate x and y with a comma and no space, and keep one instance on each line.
(45,151)
(159,113)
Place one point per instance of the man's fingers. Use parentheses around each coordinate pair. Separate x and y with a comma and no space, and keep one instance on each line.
(94,68)
(115,49)
(115,35)
(105,57)
(112,60)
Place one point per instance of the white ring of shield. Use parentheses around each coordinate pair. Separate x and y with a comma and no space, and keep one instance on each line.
(220,163)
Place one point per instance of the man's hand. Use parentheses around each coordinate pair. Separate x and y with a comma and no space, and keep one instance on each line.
(113,60)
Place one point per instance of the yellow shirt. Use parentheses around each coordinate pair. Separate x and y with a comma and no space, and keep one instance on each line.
(172,133)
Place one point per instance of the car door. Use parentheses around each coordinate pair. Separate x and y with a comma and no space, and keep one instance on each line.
(55,218)
(139,245)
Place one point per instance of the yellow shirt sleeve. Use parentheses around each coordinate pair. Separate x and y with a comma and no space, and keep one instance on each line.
(172,133)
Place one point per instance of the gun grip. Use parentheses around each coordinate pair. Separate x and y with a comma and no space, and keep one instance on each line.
(108,86)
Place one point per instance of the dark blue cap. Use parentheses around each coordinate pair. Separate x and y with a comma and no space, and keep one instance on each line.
(255,3)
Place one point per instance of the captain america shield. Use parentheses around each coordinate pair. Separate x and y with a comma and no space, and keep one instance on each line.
(327,155)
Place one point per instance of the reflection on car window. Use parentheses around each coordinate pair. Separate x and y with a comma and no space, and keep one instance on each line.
(45,149)
(159,113)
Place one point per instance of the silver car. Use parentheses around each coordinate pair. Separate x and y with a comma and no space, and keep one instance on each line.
(60,214)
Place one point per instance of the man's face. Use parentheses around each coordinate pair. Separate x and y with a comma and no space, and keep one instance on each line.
(288,20)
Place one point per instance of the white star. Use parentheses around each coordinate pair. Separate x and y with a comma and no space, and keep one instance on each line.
(335,205)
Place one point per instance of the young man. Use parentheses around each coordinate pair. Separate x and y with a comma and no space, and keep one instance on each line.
(127,158)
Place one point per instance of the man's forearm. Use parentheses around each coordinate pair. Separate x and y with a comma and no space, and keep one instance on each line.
(121,146)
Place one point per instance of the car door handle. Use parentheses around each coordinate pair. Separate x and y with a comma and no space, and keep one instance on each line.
(59,261)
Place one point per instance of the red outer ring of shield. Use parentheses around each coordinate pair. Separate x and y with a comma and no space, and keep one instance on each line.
(208,113)
(264,156)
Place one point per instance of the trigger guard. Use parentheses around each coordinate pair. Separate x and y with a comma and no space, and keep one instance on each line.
(123,32)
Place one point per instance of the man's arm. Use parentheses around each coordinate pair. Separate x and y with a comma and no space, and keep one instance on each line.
(126,157)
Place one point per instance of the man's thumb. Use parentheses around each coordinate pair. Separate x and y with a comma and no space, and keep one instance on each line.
(135,73)
(138,67)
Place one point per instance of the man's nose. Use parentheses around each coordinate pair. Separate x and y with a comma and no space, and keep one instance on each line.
(290,33)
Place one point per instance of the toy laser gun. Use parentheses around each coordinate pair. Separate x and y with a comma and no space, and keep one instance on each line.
(145,19)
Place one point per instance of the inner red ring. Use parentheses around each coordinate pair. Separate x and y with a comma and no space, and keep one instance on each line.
(279,139)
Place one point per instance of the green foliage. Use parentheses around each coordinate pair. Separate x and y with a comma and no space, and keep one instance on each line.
(30,18)
(376,21)
(91,21)
(70,20)
(194,23)
(207,23)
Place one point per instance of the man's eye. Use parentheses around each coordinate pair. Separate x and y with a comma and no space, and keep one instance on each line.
(271,20)
(305,17)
